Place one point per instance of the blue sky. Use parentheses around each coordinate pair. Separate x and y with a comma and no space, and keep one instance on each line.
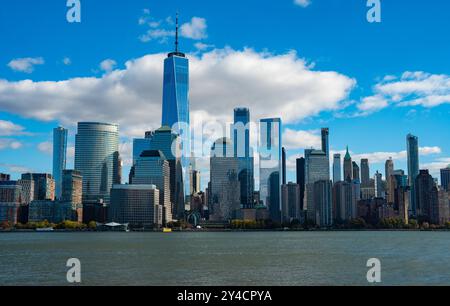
(371,84)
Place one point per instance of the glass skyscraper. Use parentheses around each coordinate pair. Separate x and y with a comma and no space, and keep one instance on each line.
(270,145)
(97,158)
(412,145)
(175,108)
(240,135)
(59,158)
(337,170)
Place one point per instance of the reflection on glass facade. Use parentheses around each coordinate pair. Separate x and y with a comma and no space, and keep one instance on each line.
(412,144)
(59,157)
(175,112)
(97,158)
(240,133)
(270,165)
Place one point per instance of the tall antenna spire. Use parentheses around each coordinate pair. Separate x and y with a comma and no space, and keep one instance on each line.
(176,35)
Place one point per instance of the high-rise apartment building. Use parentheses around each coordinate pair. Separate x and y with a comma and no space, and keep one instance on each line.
(412,146)
(445,178)
(59,157)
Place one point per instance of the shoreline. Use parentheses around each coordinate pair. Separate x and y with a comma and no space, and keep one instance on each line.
(230,231)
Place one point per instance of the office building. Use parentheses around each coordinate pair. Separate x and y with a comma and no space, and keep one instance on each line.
(323,203)
(4,177)
(291,208)
(317,168)
(337,169)
(152,168)
(412,146)
(175,106)
(356,176)
(445,178)
(59,157)
(136,205)
(344,204)
(97,159)
(270,163)
(224,197)
(43,185)
(426,195)
(27,190)
(441,213)
(300,174)
(348,167)
(240,138)
(72,195)
(10,201)
(379,185)
(365,173)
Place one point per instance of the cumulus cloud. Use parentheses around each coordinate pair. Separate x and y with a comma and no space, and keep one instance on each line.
(161,30)
(8,128)
(296,140)
(16,169)
(302,3)
(221,79)
(195,29)
(25,65)
(436,166)
(410,89)
(108,65)
(381,157)
(46,147)
(6,143)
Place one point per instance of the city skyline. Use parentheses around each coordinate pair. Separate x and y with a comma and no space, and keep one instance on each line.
(25,141)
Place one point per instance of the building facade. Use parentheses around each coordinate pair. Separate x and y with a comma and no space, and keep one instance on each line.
(412,146)
(59,157)
(97,158)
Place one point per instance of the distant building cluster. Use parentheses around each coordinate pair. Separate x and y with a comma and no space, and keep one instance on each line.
(164,184)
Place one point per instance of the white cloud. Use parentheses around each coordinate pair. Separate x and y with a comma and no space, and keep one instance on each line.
(202,46)
(108,65)
(302,3)
(221,79)
(301,139)
(6,143)
(195,29)
(16,169)
(8,128)
(411,89)
(436,166)
(67,61)
(46,147)
(381,157)
(25,64)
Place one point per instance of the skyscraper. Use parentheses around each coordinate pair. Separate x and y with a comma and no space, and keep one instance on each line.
(224,184)
(445,178)
(283,165)
(240,137)
(337,169)
(356,176)
(348,167)
(365,173)
(166,141)
(97,158)
(152,168)
(300,164)
(317,168)
(43,185)
(59,157)
(379,190)
(290,202)
(389,168)
(412,145)
(270,172)
(175,105)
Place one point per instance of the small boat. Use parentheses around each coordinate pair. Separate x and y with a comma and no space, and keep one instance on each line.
(45,229)
(167,230)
